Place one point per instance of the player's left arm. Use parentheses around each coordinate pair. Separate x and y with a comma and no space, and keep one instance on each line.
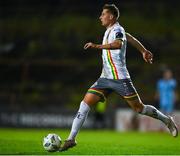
(114,45)
(147,55)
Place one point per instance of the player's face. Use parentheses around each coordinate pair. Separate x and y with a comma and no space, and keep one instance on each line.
(106,17)
(168,74)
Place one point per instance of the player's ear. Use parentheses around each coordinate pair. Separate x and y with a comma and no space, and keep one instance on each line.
(111,17)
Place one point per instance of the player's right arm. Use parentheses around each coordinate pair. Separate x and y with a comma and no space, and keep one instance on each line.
(147,55)
(114,45)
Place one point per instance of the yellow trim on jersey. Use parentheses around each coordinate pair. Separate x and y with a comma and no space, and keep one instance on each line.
(127,97)
(112,65)
(110,61)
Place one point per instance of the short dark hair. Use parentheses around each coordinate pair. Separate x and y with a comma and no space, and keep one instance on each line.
(113,9)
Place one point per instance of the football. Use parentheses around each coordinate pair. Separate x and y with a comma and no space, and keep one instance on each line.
(52,142)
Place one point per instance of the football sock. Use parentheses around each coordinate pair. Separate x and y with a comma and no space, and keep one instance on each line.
(79,120)
(154,113)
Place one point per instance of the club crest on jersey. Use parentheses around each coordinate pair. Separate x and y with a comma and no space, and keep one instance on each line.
(119,35)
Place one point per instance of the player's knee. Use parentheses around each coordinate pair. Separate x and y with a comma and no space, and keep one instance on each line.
(138,107)
(91,99)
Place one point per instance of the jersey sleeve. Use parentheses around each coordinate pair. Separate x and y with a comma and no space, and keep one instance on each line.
(118,34)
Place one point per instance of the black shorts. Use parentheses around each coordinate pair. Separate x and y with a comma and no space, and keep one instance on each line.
(123,87)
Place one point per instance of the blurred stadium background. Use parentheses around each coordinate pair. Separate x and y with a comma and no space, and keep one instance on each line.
(44,71)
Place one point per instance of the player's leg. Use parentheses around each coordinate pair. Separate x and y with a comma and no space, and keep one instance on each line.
(91,98)
(84,108)
(126,89)
(149,110)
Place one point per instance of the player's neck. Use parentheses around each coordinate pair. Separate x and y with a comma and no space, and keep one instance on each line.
(111,24)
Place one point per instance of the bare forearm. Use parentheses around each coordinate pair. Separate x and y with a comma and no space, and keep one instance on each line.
(107,46)
(147,55)
(135,43)
(114,45)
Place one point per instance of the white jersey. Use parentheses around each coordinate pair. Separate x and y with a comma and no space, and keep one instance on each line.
(114,61)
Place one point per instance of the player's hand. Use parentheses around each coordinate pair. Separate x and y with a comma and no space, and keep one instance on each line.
(147,56)
(89,45)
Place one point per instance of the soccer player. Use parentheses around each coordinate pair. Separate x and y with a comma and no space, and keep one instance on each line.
(115,76)
(166,92)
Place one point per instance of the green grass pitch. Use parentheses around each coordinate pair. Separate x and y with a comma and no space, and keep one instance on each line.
(29,142)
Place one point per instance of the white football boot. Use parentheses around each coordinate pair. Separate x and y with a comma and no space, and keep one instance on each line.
(172,127)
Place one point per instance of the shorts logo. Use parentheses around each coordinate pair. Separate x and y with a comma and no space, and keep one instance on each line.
(124,84)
